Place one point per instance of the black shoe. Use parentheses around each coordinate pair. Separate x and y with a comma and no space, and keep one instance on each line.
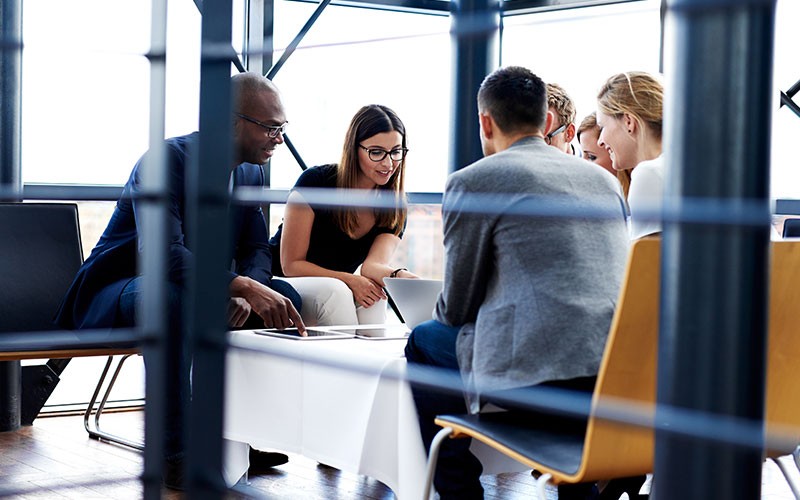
(173,476)
(261,462)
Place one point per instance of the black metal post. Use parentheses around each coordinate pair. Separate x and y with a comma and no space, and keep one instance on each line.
(10,178)
(153,316)
(207,207)
(474,32)
(713,333)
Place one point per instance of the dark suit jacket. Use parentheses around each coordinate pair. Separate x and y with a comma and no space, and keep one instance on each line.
(93,297)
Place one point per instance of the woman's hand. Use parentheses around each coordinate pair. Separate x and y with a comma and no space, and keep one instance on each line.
(366,292)
(405,273)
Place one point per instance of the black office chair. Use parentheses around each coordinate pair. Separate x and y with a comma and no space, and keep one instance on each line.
(40,253)
(791,228)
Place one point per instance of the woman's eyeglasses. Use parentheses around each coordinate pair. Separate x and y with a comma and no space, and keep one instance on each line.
(378,154)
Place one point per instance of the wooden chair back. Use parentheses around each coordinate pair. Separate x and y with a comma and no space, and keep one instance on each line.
(627,372)
(783,368)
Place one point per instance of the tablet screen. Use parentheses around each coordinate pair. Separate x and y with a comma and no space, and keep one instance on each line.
(374,333)
(311,334)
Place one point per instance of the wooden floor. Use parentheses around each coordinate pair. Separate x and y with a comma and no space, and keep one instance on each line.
(56,459)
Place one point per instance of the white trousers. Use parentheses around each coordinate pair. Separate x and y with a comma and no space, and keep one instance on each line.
(329,301)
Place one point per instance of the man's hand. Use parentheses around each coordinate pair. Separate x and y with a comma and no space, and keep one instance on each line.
(238,312)
(365,291)
(276,310)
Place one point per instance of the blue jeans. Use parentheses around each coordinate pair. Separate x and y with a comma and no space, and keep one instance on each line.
(458,472)
(179,363)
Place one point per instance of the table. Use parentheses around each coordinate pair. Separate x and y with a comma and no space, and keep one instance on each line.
(361,421)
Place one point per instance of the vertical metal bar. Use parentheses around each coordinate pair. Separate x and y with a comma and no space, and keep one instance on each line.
(267,58)
(713,333)
(267,33)
(153,313)
(11,94)
(207,207)
(10,171)
(474,29)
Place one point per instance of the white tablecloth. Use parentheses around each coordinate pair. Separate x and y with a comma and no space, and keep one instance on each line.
(362,422)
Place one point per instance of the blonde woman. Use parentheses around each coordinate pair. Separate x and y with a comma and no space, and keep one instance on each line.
(320,248)
(629,113)
(588,133)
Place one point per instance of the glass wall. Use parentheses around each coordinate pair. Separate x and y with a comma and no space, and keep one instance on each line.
(580,48)
(353,57)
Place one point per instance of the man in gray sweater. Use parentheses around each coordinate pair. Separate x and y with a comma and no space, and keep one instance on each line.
(529,292)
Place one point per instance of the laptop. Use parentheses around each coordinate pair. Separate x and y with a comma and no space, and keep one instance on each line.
(414,298)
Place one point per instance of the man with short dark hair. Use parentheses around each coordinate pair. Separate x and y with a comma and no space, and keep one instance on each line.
(106,292)
(527,300)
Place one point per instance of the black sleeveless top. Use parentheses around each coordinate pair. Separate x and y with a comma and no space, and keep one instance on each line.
(329,246)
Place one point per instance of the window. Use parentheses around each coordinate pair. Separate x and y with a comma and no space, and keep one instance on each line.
(400,60)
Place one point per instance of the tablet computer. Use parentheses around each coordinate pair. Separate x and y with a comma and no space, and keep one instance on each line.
(311,334)
(387,332)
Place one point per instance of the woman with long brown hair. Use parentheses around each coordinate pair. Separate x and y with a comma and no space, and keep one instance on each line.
(320,247)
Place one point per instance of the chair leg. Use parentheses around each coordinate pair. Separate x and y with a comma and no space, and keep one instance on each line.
(787,474)
(796,455)
(433,457)
(541,485)
(97,432)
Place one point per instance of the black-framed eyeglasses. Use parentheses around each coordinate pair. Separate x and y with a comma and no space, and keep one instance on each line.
(272,130)
(549,137)
(378,154)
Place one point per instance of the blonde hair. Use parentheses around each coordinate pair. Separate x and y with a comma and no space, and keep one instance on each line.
(636,93)
(559,100)
(369,121)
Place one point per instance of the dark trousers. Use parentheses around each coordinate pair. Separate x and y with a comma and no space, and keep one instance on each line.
(178,366)
(458,471)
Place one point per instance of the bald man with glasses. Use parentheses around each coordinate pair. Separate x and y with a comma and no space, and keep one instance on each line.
(107,290)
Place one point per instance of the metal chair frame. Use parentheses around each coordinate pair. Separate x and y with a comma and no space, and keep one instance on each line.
(96,431)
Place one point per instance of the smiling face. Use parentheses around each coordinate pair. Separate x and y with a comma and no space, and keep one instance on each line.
(593,152)
(253,141)
(618,140)
(378,173)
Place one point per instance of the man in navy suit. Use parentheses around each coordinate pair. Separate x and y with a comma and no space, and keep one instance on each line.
(107,289)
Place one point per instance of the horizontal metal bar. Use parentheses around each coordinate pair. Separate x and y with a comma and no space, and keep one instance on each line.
(700,211)
(428,7)
(74,192)
(64,340)
(521,7)
(787,207)
(70,192)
